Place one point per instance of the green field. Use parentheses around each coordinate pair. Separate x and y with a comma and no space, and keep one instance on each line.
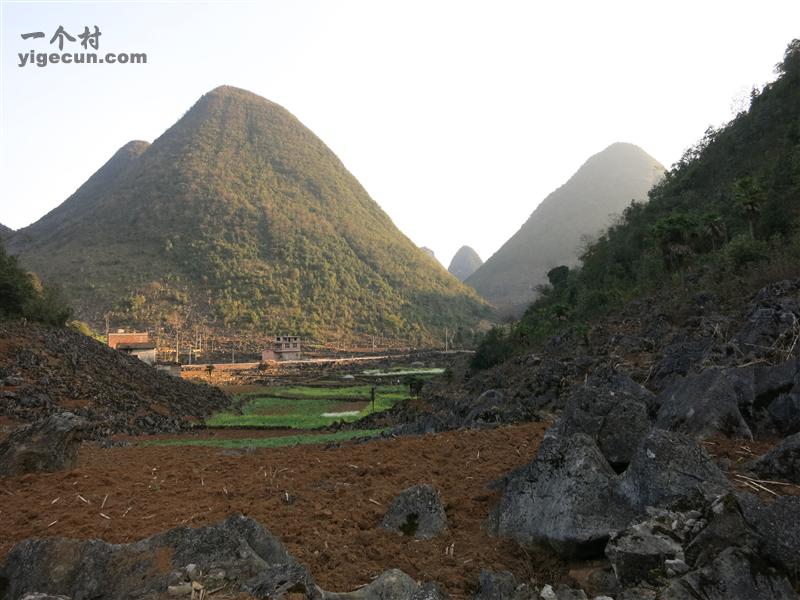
(362,392)
(306,407)
(274,442)
(423,373)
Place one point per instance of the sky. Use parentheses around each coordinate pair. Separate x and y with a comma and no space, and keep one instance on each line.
(457,117)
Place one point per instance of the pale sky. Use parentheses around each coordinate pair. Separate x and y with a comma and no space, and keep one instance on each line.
(457,117)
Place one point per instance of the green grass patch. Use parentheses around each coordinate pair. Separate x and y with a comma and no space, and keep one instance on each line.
(276,442)
(307,406)
(398,392)
(402,371)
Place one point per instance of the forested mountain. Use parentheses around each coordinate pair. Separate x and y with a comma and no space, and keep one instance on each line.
(465,262)
(554,233)
(5,231)
(239,216)
(724,219)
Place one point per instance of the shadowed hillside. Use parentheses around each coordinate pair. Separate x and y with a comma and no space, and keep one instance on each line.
(552,236)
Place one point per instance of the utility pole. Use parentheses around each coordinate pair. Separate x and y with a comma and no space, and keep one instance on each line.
(445,339)
(107,328)
(177,351)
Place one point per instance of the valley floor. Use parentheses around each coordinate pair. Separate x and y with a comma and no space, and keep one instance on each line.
(324,503)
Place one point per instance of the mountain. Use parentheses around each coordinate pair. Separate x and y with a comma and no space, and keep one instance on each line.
(5,231)
(465,262)
(554,233)
(238,216)
(721,224)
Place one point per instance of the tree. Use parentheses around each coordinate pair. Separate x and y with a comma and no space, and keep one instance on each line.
(674,234)
(714,228)
(557,276)
(749,198)
(22,296)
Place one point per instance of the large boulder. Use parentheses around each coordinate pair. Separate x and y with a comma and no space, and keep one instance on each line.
(417,512)
(782,462)
(770,530)
(612,409)
(678,358)
(778,527)
(784,413)
(670,470)
(247,555)
(773,314)
(708,403)
(733,575)
(49,444)
(566,499)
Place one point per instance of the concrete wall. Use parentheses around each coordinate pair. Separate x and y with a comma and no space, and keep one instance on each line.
(148,356)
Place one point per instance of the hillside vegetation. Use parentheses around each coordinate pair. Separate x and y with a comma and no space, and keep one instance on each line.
(725,217)
(22,296)
(239,217)
(555,232)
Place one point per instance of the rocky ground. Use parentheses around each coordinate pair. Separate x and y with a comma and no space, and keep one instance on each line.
(658,459)
(327,505)
(45,370)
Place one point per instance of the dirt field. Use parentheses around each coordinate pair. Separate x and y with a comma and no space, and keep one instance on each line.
(325,504)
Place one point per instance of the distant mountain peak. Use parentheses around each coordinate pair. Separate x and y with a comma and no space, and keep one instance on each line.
(465,262)
(239,216)
(583,206)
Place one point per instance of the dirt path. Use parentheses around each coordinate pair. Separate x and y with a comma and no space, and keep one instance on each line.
(324,504)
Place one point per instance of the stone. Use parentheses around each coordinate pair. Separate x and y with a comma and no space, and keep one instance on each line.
(733,575)
(782,462)
(565,499)
(278,580)
(675,566)
(502,585)
(548,593)
(784,413)
(602,582)
(181,589)
(193,571)
(50,444)
(705,404)
(778,527)
(623,429)
(102,571)
(390,585)
(638,554)
(430,591)
(416,512)
(561,593)
(670,470)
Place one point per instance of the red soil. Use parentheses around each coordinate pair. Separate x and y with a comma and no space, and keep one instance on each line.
(326,505)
